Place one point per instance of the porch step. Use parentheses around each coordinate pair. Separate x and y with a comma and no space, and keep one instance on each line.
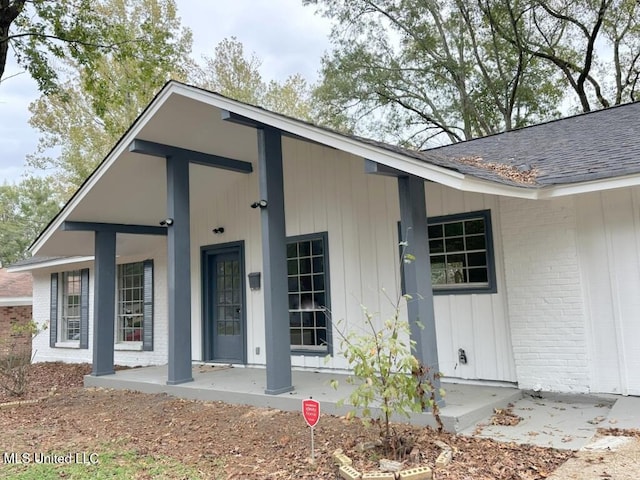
(465,405)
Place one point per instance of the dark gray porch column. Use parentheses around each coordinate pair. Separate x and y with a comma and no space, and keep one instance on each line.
(417,274)
(104,303)
(178,271)
(274,253)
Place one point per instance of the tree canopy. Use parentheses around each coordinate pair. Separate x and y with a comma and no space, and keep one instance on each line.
(232,73)
(98,100)
(25,209)
(43,31)
(415,71)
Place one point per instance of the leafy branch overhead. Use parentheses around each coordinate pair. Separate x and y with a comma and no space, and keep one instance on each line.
(421,72)
(97,100)
(41,32)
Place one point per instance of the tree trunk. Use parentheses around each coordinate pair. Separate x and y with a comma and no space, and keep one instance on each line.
(9,11)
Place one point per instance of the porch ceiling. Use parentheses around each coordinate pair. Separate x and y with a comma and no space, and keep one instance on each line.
(133,188)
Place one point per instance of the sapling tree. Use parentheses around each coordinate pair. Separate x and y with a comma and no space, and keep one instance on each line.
(386,373)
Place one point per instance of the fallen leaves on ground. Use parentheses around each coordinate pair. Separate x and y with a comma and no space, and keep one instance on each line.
(251,443)
(505,417)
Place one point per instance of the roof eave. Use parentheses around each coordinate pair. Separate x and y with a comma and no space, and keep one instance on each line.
(50,263)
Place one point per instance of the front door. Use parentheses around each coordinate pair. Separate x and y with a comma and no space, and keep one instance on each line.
(224,319)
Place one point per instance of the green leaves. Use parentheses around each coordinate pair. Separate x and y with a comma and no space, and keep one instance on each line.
(413,71)
(382,364)
(25,209)
(107,88)
(232,73)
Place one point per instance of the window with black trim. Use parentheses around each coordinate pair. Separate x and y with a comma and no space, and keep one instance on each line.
(461,253)
(308,285)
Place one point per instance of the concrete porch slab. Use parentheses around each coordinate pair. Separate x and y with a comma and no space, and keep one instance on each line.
(567,422)
(625,414)
(465,404)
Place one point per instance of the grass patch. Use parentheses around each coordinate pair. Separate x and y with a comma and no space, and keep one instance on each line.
(105,465)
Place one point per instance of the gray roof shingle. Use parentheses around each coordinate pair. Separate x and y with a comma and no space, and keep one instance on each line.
(591,146)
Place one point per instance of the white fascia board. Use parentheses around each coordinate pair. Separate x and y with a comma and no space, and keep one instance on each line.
(50,263)
(588,187)
(477,185)
(15,301)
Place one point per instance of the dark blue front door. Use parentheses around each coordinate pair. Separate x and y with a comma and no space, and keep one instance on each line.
(224,305)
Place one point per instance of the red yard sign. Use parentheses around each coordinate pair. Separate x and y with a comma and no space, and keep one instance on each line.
(311,411)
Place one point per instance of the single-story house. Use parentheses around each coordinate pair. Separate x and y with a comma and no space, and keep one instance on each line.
(15,312)
(218,231)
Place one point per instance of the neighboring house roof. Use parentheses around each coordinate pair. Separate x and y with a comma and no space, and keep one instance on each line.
(15,288)
(588,152)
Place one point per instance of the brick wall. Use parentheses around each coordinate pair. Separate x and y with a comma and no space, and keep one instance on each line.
(11,342)
(545,299)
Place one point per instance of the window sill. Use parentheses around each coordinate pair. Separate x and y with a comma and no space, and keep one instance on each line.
(74,345)
(128,346)
(465,290)
(309,352)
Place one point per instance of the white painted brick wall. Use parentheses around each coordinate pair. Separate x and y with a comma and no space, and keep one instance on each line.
(41,308)
(546,310)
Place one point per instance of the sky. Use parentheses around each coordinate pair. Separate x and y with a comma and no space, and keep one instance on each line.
(286,36)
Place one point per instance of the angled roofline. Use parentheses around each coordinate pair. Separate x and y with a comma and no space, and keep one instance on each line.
(413,163)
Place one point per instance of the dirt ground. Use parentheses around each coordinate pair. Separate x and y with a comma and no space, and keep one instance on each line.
(623,463)
(249,443)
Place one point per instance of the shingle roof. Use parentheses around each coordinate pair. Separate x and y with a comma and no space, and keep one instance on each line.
(591,146)
(33,261)
(15,285)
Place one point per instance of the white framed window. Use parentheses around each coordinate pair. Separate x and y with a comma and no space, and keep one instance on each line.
(69,309)
(308,285)
(70,314)
(130,303)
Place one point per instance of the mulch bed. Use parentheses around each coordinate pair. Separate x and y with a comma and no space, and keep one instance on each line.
(252,443)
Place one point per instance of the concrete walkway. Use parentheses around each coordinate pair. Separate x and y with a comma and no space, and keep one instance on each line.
(550,420)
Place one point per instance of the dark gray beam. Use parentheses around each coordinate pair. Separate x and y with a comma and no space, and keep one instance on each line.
(240,120)
(375,168)
(274,259)
(104,310)
(112,227)
(248,122)
(146,147)
(178,272)
(417,275)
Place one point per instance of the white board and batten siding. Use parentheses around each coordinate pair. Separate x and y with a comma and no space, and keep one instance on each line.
(609,248)
(477,323)
(326,190)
